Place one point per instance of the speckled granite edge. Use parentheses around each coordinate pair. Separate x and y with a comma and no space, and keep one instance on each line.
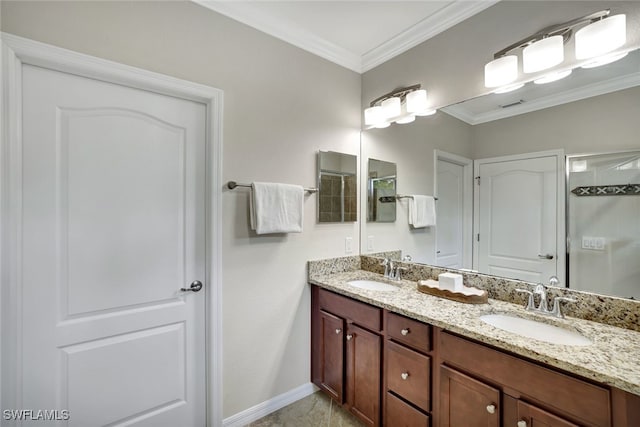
(609,360)
(333,265)
(619,312)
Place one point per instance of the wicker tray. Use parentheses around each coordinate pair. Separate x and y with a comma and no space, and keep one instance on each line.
(455,296)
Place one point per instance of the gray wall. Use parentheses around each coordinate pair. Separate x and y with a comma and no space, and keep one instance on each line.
(282,105)
(599,124)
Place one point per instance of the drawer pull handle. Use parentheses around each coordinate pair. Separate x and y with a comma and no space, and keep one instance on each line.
(349,336)
(338,331)
(404,375)
(405,331)
(522,424)
(492,409)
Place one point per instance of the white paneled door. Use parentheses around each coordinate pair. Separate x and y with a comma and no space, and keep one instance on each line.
(518,218)
(113,225)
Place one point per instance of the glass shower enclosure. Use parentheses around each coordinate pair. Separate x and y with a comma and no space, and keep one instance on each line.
(603,213)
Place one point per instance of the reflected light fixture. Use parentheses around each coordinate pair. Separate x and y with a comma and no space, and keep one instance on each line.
(553,77)
(400,106)
(599,35)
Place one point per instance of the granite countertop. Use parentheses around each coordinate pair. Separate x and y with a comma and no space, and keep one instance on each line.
(612,358)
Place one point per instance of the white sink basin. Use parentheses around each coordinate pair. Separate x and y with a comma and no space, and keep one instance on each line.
(373,285)
(536,330)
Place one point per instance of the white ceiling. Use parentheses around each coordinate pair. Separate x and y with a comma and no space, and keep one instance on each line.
(358,35)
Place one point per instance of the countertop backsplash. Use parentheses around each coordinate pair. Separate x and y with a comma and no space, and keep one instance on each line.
(620,312)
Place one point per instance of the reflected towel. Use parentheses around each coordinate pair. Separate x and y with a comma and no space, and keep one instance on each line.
(422,211)
(276,208)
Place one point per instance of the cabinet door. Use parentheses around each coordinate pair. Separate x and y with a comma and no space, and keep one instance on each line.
(466,402)
(532,416)
(363,374)
(332,355)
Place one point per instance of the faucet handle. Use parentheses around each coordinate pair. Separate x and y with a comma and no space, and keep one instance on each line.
(385,262)
(399,271)
(530,305)
(557,310)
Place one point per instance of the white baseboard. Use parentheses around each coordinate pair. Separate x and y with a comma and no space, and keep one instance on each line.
(265,408)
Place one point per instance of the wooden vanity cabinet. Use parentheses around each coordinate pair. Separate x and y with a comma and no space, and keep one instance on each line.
(347,353)
(506,390)
(407,372)
(393,371)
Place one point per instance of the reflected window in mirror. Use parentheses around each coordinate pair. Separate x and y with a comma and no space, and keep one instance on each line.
(381,185)
(337,183)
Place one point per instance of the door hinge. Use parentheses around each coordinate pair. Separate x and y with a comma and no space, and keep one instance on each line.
(478,237)
(478,179)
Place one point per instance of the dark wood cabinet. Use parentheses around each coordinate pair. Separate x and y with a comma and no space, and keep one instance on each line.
(331,358)
(467,402)
(393,371)
(347,353)
(363,374)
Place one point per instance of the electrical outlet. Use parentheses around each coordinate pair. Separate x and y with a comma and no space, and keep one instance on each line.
(348,245)
(370,243)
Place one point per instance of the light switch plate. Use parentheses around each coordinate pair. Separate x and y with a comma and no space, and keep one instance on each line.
(348,245)
(369,243)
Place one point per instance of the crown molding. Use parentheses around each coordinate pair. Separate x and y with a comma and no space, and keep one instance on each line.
(296,36)
(440,21)
(588,91)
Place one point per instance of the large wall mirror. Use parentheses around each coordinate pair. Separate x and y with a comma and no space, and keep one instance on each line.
(338,188)
(585,125)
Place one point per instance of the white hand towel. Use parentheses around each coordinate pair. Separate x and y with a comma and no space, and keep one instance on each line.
(276,208)
(422,211)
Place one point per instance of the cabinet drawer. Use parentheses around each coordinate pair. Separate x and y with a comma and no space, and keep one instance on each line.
(558,392)
(408,374)
(400,414)
(360,313)
(408,331)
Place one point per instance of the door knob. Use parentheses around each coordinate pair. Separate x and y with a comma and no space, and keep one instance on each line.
(349,336)
(404,375)
(491,409)
(522,423)
(545,256)
(196,285)
(338,331)
(405,331)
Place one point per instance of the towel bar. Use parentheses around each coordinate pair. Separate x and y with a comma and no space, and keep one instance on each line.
(232,184)
(402,196)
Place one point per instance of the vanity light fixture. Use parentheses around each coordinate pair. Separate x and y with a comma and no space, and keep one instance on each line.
(400,106)
(600,35)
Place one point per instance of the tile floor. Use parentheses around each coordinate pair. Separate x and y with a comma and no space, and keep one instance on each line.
(316,410)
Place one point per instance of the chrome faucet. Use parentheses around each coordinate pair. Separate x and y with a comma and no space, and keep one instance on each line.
(392,271)
(388,265)
(543,306)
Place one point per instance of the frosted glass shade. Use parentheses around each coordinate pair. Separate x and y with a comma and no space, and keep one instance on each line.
(416,101)
(373,116)
(552,77)
(406,119)
(501,71)
(601,37)
(543,54)
(391,107)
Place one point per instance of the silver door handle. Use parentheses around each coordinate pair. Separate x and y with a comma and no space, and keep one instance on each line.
(195,287)
(546,256)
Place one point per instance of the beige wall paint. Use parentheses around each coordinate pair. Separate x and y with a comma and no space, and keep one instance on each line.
(451,65)
(411,147)
(281,105)
(599,124)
